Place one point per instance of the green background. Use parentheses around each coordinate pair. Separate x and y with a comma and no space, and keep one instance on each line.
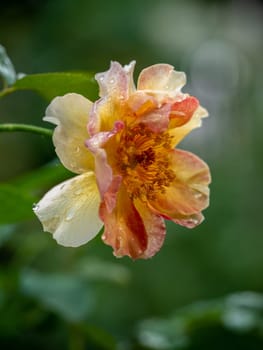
(54,297)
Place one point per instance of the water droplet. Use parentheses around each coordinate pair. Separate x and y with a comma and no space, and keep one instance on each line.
(35,207)
(77,149)
(79,191)
(101,78)
(121,97)
(112,81)
(70,215)
(193,221)
(103,237)
(198,195)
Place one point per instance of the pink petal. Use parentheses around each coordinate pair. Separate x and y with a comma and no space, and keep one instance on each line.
(182,111)
(116,85)
(117,81)
(130,229)
(103,170)
(161,77)
(188,194)
(158,119)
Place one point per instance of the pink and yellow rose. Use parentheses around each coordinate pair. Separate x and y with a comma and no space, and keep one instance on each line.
(130,176)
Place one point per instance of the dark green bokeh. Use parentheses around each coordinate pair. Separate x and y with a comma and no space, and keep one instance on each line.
(219,45)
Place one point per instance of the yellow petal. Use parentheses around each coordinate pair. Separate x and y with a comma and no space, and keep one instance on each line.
(70,113)
(195,122)
(70,211)
(188,194)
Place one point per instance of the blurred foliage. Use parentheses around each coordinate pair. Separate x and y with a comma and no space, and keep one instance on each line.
(236,320)
(54,297)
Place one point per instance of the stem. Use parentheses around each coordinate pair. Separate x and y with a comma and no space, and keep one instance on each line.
(27,128)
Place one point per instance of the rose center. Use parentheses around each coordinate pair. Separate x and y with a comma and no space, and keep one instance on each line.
(143,161)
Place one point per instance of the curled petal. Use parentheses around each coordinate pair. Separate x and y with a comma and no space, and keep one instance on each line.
(161,77)
(178,133)
(141,103)
(188,194)
(116,85)
(117,81)
(131,229)
(70,211)
(182,111)
(158,119)
(70,113)
(190,221)
(102,168)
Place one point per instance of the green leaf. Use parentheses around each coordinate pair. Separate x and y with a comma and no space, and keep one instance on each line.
(7,70)
(67,295)
(44,177)
(17,196)
(16,205)
(50,85)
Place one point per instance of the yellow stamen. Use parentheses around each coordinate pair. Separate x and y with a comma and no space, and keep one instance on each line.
(143,161)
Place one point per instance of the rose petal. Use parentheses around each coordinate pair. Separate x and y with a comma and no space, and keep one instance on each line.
(102,168)
(70,114)
(178,133)
(189,193)
(155,228)
(117,81)
(123,228)
(70,211)
(161,77)
(116,85)
(131,229)
(141,103)
(182,111)
(190,221)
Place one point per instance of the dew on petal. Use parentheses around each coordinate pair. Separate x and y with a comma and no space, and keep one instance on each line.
(70,215)
(78,192)
(35,207)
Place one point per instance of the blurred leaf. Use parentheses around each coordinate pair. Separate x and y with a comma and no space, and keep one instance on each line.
(48,175)
(16,204)
(99,270)
(244,312)
(6,232)
(17,196)
(97,338)
(7,70)
(50,85)
(66,295)
(239,313)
